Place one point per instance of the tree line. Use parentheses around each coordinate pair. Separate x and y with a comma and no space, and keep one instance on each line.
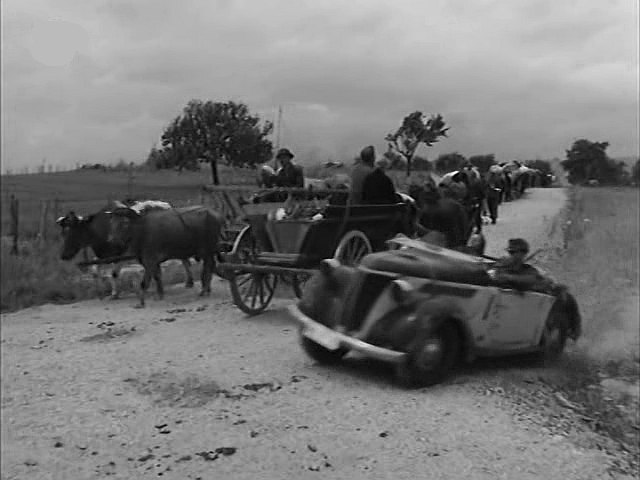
(212,132)
(587,161)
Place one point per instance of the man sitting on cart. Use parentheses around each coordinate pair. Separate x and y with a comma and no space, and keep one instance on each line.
(360,171)
(378,189)
(290,175)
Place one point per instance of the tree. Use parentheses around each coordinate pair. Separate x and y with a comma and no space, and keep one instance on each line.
(543,165)
(483,162)
(449,162)
(421,163)
(635,173)
(588,160)
(416,129)
(212,131)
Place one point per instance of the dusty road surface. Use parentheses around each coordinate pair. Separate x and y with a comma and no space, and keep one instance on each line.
(191,388)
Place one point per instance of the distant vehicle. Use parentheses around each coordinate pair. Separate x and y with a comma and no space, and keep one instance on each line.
(423,308)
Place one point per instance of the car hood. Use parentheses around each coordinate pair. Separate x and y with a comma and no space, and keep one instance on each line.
(426,261)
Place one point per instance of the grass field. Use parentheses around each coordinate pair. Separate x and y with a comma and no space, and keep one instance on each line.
(86,191)
(600,264)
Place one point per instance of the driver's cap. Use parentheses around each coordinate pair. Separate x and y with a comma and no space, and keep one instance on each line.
(518,245)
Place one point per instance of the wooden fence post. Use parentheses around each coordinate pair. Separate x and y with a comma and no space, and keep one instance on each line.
(44,211)
(15,214)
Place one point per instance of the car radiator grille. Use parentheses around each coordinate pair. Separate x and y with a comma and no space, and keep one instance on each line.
(363,291)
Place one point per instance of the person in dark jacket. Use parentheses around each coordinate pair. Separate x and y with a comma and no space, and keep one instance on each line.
(378,189)
(360,172)
(289,175)
(513,271)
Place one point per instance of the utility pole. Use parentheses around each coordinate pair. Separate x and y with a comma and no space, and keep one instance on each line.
(278,130)
(278,127)
(130,181)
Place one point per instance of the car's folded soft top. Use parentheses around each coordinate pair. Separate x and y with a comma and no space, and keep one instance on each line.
(435,263)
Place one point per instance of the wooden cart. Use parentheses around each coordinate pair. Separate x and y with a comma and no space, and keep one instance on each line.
(286,241)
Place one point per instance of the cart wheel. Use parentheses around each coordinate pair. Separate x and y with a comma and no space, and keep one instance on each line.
(251,292)
(299,282)
(429,358)
(352,247)
(319,353)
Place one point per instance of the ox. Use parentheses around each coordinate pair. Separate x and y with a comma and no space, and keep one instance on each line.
(446,215)
(161,235)
(95,231)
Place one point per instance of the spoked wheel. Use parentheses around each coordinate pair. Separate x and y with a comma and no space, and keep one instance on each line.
(429,358)
(252,292)
(352,247)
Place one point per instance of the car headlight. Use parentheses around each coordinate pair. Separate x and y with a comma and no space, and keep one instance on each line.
(328,266)
(401,291)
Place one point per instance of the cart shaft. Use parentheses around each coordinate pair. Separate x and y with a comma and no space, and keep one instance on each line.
(252,268)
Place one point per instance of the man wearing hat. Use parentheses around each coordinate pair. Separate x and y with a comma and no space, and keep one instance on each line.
(289,175)
(360,171)
(511,271)
(378,189)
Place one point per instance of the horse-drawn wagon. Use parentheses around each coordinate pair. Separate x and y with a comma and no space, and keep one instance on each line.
(268,242)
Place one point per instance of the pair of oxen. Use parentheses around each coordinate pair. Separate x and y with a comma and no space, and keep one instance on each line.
(150,232)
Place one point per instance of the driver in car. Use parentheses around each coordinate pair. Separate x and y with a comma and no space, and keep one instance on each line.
(512,271)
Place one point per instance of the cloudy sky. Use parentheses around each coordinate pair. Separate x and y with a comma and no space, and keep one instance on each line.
(95,81)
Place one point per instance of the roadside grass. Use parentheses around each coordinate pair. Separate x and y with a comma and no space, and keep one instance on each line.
(38,276)
(600,264)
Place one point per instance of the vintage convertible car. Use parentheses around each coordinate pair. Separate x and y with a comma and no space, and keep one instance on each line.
(423,308)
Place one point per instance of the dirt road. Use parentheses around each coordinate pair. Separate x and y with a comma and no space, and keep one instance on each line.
(191,388)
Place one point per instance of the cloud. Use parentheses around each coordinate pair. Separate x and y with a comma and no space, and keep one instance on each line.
(519,79)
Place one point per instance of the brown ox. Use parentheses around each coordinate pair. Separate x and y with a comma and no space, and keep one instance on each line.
(95,231)
(178,233)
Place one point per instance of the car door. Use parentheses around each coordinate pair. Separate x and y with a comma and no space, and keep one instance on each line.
(516,318)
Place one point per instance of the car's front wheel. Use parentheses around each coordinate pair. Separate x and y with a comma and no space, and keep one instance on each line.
(430,357)
(321,354)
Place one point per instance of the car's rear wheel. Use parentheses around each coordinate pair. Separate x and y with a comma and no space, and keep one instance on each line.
(321,354)
(554,336)
(430,357)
